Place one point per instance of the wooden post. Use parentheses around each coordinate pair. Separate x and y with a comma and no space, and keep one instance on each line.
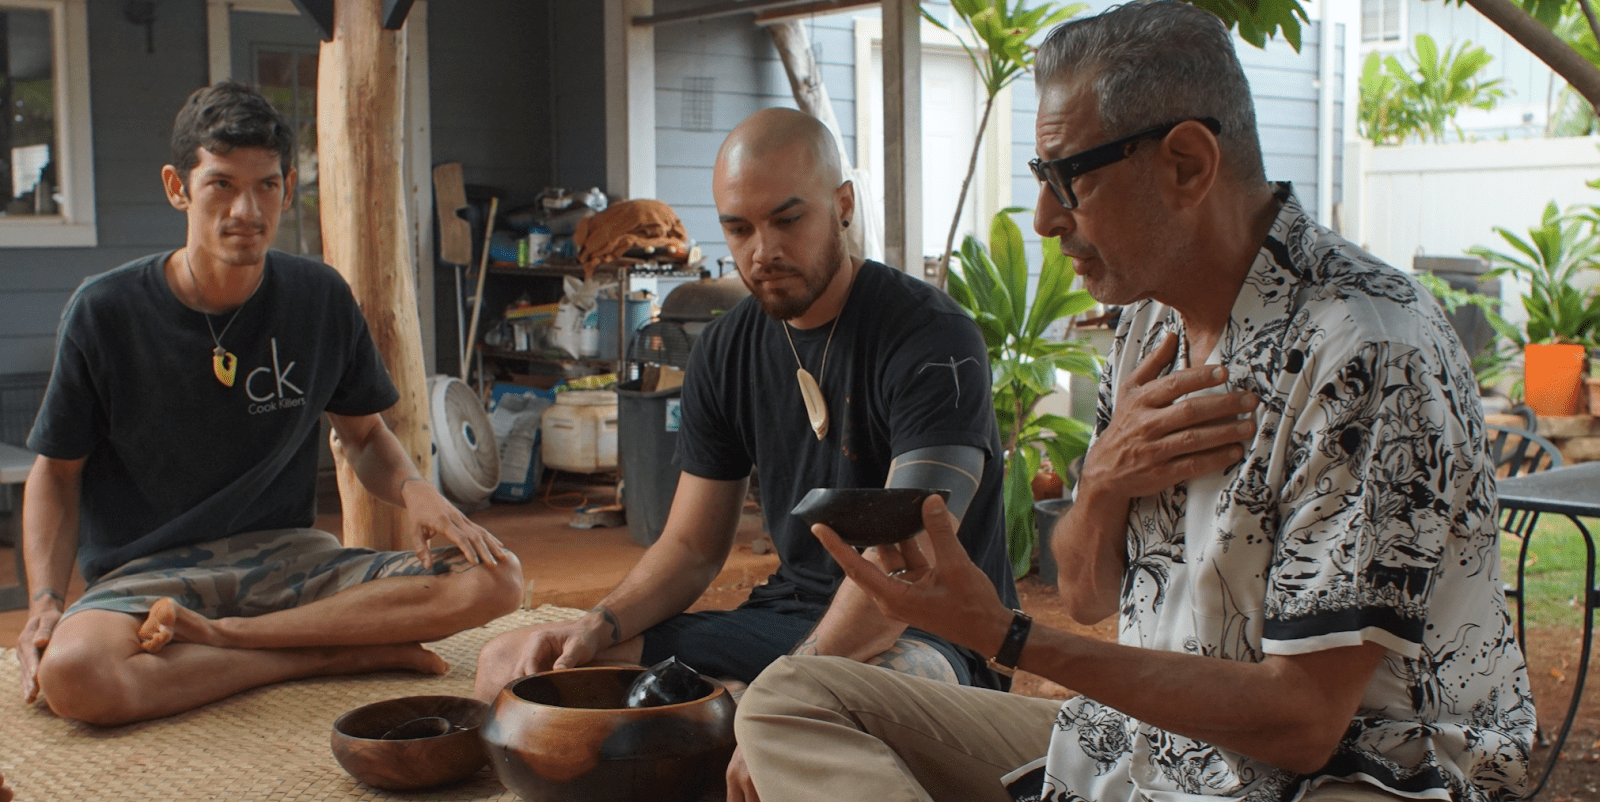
(902,135)
(811,95)
(365,236)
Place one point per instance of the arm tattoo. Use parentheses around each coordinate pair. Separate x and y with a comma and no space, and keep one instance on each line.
(916,658)
(807,645)
(610,618)
(49,593)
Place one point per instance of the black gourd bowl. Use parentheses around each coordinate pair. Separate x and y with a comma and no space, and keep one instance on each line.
(867,516)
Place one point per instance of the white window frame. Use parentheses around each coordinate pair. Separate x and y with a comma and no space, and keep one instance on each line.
(73,226)
(1402,40)
(991,183)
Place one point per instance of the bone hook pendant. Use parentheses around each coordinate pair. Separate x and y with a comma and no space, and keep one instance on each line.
(223,365)
(816,407)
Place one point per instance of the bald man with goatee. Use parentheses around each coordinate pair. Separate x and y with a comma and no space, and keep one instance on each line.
(901,379)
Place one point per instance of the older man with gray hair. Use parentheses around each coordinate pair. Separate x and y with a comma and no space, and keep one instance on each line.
(1288,502)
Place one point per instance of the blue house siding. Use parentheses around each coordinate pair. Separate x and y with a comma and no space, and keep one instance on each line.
(746,76)
(1526,80)
(1284,85)
(133,95)
(501,105)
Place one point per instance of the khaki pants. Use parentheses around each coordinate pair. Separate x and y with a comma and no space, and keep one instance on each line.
(830,728)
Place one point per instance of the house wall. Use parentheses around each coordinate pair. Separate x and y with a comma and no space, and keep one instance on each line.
(1285,86)
(133,96)
(1526,80)
(516,90)
(745,75)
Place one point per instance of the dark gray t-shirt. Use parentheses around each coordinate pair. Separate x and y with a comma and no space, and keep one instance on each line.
(174,456)
(907,369)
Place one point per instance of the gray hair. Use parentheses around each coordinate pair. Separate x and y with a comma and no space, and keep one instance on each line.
(1151,63)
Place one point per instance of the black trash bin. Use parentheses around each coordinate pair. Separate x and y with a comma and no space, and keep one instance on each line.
(1045,514)
(647,437)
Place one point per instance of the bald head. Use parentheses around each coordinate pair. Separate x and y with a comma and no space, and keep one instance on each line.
(782,135)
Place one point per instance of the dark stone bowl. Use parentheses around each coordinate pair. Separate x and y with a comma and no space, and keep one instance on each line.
(410,763)
(867,516)
(565,736)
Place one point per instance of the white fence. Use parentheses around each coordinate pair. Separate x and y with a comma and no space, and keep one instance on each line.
(1439,200)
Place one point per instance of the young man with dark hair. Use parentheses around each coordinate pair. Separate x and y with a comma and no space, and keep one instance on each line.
(1288,503)
(178,445)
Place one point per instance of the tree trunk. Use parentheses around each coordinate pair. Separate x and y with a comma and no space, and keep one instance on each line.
(811,95)
(360,87)
(1544,45)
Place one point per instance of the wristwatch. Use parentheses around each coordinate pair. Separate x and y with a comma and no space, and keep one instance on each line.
(1005,661)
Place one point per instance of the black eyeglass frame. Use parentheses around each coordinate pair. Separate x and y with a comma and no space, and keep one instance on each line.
(1057,174)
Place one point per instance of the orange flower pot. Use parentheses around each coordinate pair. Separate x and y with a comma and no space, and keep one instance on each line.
(1553,377)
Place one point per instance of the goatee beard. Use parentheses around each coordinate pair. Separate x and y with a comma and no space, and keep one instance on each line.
(785,308)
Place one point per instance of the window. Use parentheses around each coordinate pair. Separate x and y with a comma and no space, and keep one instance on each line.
(1380,21)
(288,77)
(46,166)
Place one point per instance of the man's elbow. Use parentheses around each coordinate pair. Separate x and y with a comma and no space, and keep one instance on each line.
(1308,745)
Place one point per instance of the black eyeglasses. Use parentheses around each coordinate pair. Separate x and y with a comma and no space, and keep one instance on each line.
(1058,173)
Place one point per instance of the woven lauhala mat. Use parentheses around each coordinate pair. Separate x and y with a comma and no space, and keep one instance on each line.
(269,743)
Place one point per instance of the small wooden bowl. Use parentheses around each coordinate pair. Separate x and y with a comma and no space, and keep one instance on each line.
(406,764)
(867,516)
(565,736)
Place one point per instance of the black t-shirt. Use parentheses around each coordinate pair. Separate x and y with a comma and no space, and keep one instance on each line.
(907,369)
(174,456)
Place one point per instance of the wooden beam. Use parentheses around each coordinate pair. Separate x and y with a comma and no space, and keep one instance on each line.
(902,135)
(394,14)
(321,13)
(365,236)
(630,61)
(809,9)
(725,8)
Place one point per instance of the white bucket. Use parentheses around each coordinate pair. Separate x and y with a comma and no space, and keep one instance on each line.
(579,433)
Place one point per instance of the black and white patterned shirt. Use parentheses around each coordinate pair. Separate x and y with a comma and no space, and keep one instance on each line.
(1364,511)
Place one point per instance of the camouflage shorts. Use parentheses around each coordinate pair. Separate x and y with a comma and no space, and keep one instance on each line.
(253,573)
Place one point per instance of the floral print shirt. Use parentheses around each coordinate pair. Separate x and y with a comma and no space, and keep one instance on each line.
(1364,510)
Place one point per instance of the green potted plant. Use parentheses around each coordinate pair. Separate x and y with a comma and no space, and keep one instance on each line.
(992,285)
(1563,320)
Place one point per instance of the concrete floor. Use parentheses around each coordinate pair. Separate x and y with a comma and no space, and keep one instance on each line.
(564,566)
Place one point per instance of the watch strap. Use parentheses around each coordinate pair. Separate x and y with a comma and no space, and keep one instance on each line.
(1005,661)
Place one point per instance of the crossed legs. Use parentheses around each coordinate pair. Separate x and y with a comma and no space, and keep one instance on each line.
(829,728)
(108,668)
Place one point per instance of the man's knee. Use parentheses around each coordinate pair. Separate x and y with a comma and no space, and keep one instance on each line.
(85,684)
(791,683)
(493,589)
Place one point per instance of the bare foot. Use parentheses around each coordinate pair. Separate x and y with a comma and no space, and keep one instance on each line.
(171,622)
(158,627)
(390,657)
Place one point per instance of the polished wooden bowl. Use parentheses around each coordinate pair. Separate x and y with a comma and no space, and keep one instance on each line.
(401,763)
(565,736)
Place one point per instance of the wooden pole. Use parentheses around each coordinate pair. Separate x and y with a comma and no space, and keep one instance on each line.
(360,91)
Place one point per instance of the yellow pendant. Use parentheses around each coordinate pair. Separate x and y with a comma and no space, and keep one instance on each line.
(223,364)
(816,406)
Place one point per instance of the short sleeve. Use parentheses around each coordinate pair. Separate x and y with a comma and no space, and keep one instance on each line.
(71,421)
(364,386)
(708,444)
(938,388)
(1366,506)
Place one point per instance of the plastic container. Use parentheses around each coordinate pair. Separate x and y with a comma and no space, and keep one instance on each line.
(648,423)
(638,316)
(579,433)
(1045,514)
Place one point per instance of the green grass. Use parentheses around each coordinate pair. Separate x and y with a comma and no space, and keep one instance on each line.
(1554,574)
